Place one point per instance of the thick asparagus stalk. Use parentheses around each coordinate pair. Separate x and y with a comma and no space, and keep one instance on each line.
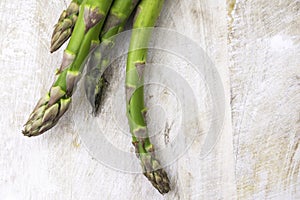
(64,27)
(55,103)
(146,16)
(114,24)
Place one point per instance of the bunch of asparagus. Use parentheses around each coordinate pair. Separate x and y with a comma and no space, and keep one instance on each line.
(88,23)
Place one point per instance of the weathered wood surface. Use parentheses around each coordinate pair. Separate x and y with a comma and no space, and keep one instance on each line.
(265,85)
(254,45)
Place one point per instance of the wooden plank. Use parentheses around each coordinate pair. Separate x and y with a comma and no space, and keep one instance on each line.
(57,165)
(36,168)
(265,85)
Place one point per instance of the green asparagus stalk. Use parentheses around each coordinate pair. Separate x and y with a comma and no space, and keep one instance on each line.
(64,27)
(146,16)
(95,81)
(56,102)
(117,18)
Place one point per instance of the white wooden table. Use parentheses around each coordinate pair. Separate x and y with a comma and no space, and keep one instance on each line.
(255,45)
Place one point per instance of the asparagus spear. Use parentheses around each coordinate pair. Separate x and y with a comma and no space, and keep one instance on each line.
(56,102)
(146,16)
(64,27)
(95,82)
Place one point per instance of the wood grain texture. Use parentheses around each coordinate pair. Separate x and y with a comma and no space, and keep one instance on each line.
(30,169)
(265,85)
(253,44)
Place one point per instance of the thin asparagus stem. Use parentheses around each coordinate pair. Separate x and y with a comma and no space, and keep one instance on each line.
(146,16)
